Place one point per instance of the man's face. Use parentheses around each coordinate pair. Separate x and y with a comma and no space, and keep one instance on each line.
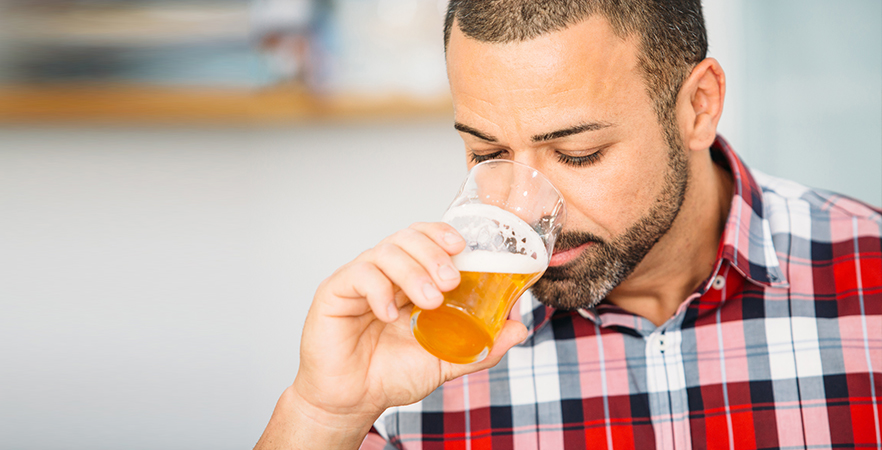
(573,105)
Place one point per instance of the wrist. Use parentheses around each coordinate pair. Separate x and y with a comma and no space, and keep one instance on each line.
(338,420)
(333,405)
(297,423)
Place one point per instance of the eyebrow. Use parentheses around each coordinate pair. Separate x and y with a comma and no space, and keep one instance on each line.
(473,132)
(592,126)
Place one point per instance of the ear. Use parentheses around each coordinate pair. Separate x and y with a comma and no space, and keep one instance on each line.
(700,104)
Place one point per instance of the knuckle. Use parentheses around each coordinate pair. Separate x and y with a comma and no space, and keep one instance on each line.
(368,275)
(415,277)
(378,287)
(323,286)
(385,250)
(408,234)
(336,276)
(386,240)
(361,269)
(363,256)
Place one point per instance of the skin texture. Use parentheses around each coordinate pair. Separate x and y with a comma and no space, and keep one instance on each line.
(357,355)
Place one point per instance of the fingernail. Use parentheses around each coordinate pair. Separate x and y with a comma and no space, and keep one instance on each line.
(431,292)
(447,273)
(392,310)
(452,238)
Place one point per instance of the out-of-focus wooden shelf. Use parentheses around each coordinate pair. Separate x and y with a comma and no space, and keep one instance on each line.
(132,104)
(130,24)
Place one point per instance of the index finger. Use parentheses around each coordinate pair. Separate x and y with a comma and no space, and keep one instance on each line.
(442,234)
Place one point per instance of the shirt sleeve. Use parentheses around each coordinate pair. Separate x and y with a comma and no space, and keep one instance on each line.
(373,441)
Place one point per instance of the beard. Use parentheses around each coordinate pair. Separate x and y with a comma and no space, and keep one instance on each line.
(588,279)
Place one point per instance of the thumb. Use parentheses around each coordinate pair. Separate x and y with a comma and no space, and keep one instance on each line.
(513,333)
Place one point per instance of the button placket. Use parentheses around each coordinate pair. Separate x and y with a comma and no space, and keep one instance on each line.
(667,387)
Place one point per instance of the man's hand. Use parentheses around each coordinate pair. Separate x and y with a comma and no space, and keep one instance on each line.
(357,354)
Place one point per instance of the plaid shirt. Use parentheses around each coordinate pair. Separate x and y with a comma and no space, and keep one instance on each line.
(781,347)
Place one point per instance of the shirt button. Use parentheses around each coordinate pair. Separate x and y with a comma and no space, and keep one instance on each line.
(584,313)
(719,282)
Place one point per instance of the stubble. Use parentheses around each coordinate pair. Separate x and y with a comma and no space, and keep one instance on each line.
(602,266)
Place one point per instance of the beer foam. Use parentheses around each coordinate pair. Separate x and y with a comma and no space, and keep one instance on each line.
(493,262)
(497,241)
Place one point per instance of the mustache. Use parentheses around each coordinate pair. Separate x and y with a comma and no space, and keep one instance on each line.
(572,239)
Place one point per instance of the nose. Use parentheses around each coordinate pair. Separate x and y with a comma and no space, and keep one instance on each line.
(540,187)
(519,188)
(527,158)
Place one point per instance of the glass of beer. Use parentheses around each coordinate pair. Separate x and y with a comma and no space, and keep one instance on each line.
(509,215)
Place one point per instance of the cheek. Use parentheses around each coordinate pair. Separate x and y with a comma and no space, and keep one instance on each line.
(611,197)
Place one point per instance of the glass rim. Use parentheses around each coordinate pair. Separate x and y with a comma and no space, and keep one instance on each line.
(520,164)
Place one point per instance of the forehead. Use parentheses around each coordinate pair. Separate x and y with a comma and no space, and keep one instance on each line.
(585,66)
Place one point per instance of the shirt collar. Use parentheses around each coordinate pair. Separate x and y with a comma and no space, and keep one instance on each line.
(747,238)
(530,312)
(746,242)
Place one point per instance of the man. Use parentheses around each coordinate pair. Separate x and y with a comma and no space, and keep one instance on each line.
(689,303)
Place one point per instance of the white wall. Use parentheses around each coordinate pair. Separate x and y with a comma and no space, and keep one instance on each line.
(154,282)
(804,98)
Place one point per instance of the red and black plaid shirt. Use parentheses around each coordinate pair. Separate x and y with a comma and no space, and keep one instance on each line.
(781,347)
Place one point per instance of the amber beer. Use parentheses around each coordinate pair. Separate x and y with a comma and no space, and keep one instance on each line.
(462,330)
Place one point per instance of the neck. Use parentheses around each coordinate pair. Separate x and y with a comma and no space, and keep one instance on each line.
(686,254)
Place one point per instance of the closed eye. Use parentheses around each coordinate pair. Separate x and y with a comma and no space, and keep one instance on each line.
(580,161)
(476,158)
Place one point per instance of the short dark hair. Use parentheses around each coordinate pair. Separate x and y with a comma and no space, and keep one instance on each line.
(672,34)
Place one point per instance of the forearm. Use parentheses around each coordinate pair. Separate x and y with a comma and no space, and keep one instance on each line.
(295,424)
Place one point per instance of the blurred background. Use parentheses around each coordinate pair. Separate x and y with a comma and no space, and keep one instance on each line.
(176,178)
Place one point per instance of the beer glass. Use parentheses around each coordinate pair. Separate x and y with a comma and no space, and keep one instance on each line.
(509,215)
